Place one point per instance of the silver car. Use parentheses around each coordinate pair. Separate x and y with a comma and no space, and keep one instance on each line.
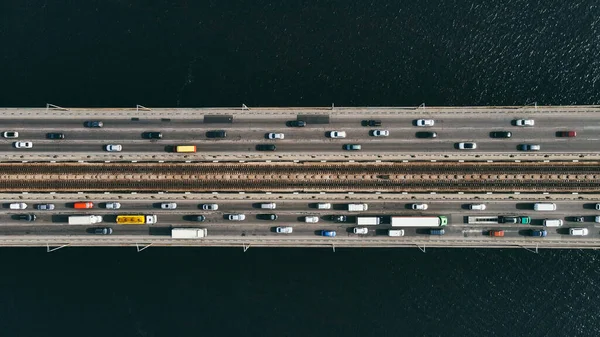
(168,205)
(44,207)
(236,217)
(284,230)
(210,207)
(113,205)
(425,122)
(380,133)
(273,135)
(114,148)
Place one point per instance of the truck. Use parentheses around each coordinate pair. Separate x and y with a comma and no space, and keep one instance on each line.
(368,220)
(419,221)
(84,219)
(358,207)
(136,219)
(188,233)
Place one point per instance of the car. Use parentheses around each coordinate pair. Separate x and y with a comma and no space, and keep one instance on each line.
(268,205)
(198,218)
(435,231)
(328,233)
(210,207)
(93,124)
(284,230)
(578,231)
(273,135)
(352,147)
(10,134)
(500,134)
(103,231)
(566,134)
(425,122)
(152,135)
(529,147)
(17,205)
(360,230)
(236,217)
(339,218)
(371,122)
(114,148)
(524,122)
(27,217)
(597,207)
(337,134)
(297,124)
(477,207)
(267,217)
(266,147)
(426,134)
(168,205)
(467,146)
(539,233)
(44,207)
(419,207)
(380,133)
(579,219)
(216,134)
(23,145)
(496,233)
(324,205)
(311,219)
(55,135)
(112,205)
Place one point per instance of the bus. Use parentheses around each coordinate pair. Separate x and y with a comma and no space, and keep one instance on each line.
(419,221)
(185,148)
(136,219)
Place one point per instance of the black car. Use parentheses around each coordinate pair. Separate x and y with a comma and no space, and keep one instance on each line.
(103,231)
(266,216)
(53,135)
(508,219)
(216,134)
(152,135)
(340,218)
(198,218)
(93,124)
(297,124)
(265,147)
(578,219)
(27,217)
(426,134)
(371,122)
(500,134)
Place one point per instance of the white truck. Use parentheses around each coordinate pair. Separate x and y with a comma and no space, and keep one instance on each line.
(358,207)
(188,233)
(84,219)
(368,220)
(419,221)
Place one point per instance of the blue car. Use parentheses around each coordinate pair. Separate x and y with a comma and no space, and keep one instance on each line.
(540,233)
(328,233)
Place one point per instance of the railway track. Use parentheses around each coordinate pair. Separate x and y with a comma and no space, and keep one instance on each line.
(303,177)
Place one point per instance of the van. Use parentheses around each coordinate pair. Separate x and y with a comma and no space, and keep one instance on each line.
(87,204)
(324,205)
(269,205)
(437,232)
(396,232)
(544,207)
(553,223)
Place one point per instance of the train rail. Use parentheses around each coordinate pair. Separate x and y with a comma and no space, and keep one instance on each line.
(581,177)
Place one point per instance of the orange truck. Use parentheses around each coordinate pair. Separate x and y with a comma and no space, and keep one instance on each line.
(84,205)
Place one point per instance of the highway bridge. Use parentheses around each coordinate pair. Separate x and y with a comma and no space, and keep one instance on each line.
(307,167)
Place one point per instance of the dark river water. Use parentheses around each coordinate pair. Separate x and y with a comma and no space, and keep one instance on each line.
(298,53)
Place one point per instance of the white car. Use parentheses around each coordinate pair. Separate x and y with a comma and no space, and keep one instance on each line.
(210,207)
(284,230)
(10,134)
(18,205)
(276,136)
(337,134)
(23,145)
(113,205)
(114,148)
(168,205)
(524,122)
(578,231)
(361,230)
(425,122)
(236,217)
(311,219)
(380,133)
(477,207)
(419,207)
(467,146)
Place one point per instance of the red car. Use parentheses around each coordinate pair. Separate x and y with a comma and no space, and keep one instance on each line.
(566,134)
